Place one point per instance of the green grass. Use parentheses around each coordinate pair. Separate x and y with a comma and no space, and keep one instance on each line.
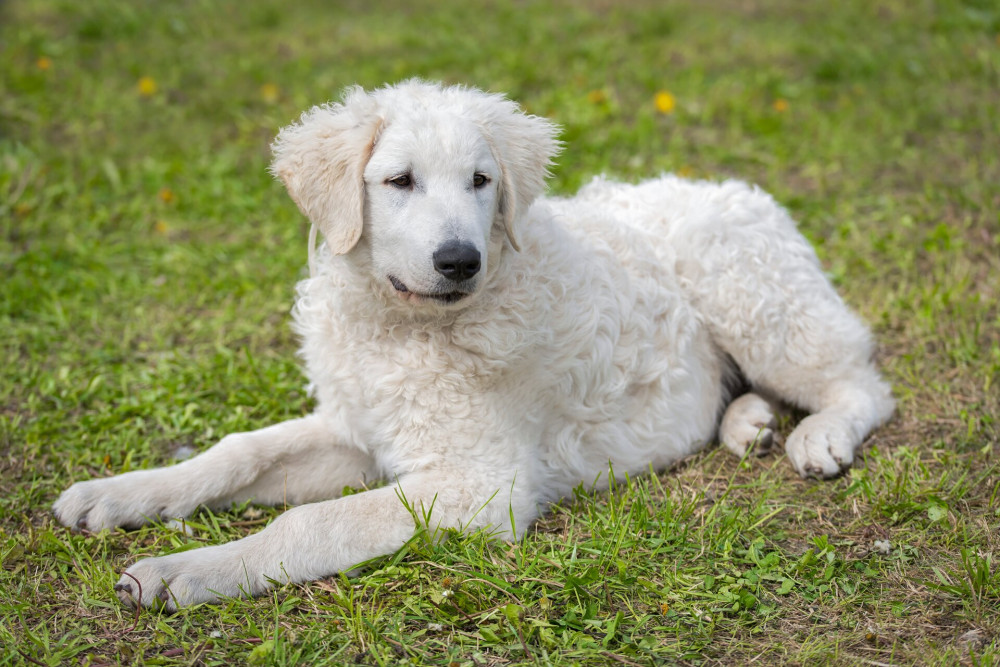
(148,264)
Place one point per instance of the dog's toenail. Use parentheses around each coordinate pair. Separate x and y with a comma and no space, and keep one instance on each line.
(123,587)
(164,595)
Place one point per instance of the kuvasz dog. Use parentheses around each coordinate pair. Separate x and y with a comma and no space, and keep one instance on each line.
(485,349)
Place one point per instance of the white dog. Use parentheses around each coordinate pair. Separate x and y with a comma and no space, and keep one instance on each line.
(486,350)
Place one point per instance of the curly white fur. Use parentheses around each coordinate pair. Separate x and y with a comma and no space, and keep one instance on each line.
(610,328)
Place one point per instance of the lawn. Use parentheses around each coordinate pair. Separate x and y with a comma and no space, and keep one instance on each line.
(148,264)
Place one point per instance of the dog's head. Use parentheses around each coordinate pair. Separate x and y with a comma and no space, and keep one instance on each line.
(432,178)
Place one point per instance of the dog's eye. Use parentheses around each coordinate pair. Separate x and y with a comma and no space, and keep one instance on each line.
(479,180)
(401,181)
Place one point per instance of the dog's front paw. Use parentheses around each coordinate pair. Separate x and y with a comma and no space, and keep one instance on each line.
(821,446)
(190,577)
(128,500)
(168,582)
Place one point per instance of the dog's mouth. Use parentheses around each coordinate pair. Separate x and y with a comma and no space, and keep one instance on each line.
(443,297)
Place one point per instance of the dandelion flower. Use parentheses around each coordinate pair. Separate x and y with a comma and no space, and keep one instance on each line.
(665,102)
(161,228)
(147,86)
(597,96)
(269,93)
(780,105)
(166,195)
(43,63)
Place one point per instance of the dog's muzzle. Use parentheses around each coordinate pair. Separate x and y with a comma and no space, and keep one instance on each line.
(443,297)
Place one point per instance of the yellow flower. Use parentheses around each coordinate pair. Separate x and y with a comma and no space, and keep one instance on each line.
(685,172)
(664,102)
(597,96)
(664,608)
(166,195)
(161,228)
(269,93)
(43,63)
(147,86)
(780,105)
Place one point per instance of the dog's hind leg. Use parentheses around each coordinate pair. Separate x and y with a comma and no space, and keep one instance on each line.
(824,370)
(763,295)
(295,461)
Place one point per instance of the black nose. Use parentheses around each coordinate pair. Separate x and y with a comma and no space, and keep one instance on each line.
(456,261)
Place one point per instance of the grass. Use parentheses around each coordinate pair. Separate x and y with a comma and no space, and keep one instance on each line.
(147,270)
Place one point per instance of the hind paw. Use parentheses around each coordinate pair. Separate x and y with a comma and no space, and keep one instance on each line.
(749,424)
(821,446)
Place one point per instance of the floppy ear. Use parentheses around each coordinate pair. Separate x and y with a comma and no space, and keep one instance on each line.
(321,160)
(523,146)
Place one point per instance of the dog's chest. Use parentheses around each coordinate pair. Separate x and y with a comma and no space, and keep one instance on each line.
(405,381)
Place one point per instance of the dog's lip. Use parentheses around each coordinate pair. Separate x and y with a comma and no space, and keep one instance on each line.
(446,297)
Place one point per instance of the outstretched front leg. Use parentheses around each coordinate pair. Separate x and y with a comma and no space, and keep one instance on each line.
(295,461)
(313,541)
